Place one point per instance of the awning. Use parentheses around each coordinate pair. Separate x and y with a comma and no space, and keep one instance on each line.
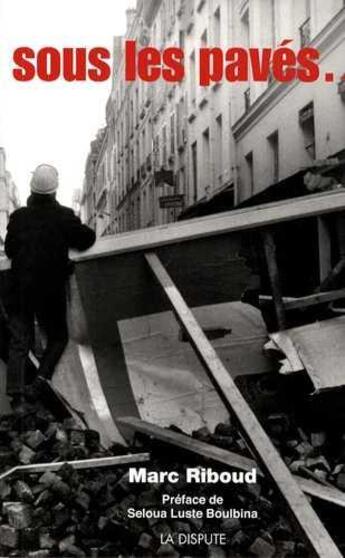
(221,201)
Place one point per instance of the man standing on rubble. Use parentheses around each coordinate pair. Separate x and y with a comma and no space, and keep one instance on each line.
(38,239)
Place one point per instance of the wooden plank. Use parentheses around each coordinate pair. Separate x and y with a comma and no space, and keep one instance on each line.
(325,260)
(333,275)
(327,493)
(8,473)
(273,272)
(84,391)
(225,457)
(268,299)
(293,303)
(314,299)
(189,444)
(305,518)
(227,222)
(116,461)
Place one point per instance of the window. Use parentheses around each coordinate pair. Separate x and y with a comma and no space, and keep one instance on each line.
(189,10)
(206,160)
(137,162)
(164,145)
(143,209)
(307,123)
(247,99)
(192,77)
(195,170)
(156,153)
(172,133)
(204,39)
(216,28)
(305,33)
(305,28)
(274,23)
(132,217)
(151,205)
(180,124)
(132,164)
(245,29)
(122,137)
(163,24)
(137,224)
(250,172)
(127,172)
(143,146)
(131,118)
(273,141)
(136,108)
(245,42)
(219,148)
(200,5)
(181,181)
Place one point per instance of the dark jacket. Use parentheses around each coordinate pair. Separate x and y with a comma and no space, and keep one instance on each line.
(38,239)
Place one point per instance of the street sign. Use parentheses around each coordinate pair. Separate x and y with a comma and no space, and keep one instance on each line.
(172,201)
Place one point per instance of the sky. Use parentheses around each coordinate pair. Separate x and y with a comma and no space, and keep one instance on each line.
(53,122)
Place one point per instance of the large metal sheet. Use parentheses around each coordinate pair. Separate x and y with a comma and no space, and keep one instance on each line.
(169,384)
(321,348)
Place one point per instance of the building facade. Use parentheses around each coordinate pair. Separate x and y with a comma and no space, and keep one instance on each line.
(89,203)
(167,148)
(280,128)
(9,199)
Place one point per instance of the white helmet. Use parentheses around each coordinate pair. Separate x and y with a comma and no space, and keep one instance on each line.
(45,180)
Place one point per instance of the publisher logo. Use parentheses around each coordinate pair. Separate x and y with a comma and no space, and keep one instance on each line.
(194,539)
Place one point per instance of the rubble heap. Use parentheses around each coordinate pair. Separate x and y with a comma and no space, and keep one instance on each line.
(316,454)
(31,434)
(85,513)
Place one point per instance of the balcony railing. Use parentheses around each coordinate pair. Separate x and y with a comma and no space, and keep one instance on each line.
(305,33)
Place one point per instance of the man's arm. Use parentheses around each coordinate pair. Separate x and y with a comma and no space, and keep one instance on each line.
(11,240)
(79,236)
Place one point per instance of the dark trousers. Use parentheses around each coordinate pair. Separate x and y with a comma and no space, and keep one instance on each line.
(49,308)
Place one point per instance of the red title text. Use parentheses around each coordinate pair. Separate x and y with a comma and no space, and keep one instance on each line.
(235,64)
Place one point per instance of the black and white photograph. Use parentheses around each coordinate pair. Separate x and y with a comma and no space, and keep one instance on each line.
(172,279)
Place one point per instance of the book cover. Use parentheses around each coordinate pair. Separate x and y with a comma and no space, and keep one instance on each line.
(172,278)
